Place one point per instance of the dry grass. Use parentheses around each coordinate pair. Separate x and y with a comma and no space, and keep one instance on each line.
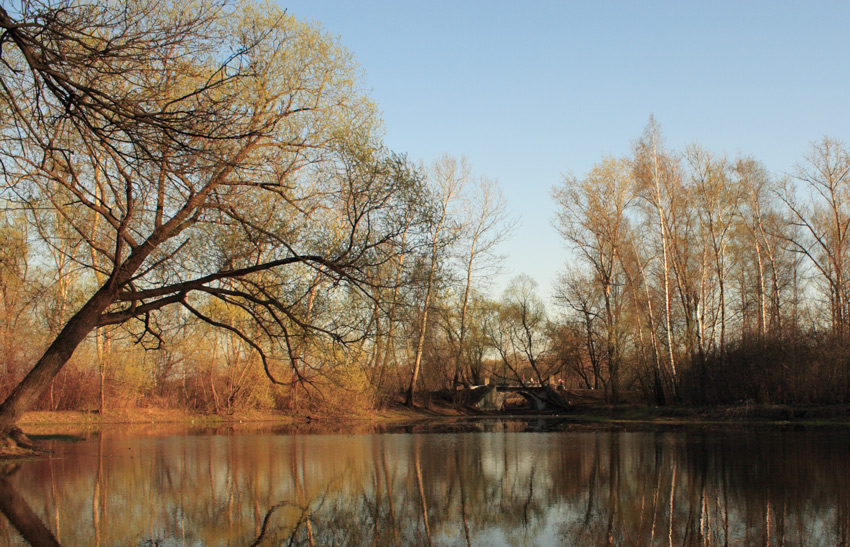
(158,421)
(45,422)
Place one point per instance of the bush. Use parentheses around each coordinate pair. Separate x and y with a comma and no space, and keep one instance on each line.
(812,369)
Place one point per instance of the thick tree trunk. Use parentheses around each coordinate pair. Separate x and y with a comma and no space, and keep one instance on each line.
(45,370)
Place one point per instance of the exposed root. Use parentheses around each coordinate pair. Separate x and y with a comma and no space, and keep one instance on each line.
(17,445)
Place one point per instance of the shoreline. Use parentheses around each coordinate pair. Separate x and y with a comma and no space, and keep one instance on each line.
(71,425)
(48,422)
(744,413)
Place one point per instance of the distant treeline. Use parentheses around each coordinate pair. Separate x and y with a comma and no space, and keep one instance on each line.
(705,279)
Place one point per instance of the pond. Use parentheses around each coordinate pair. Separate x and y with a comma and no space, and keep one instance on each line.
(487,482)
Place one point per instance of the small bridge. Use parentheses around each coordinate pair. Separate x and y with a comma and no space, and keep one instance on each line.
(539,397)
(493,397)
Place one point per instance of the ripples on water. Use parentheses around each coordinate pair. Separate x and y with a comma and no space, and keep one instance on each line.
(485,482)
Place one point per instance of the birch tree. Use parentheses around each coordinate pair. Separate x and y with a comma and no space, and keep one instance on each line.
(593,220)
(485,224)
(765,234)
(447,178)
(716,200)
(657,174)
(824,222)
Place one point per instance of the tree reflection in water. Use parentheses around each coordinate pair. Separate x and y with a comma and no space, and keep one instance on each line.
(19,513)
(497,485)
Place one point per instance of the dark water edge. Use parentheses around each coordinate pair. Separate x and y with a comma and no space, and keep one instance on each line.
(526,480)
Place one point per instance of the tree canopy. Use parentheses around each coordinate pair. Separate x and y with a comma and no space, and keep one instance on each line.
(196,152)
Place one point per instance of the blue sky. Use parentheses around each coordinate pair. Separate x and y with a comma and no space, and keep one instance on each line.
(527,91)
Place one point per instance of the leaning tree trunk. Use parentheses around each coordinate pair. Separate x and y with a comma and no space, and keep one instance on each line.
(87,319)
(54,358)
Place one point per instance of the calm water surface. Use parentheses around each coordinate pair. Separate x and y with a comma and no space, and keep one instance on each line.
(508,482)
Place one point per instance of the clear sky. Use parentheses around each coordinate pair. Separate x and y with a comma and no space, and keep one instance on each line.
(527,91)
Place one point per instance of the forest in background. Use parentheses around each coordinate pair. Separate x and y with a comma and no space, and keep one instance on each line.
(201,192)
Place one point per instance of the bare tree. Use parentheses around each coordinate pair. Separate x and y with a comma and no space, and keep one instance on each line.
(486,224)
(593,220)
(766,231)
(447,178)
(657,173)
(716,200)
(225,149)
(517,330)
(576,291)
(635,270)
(824,222)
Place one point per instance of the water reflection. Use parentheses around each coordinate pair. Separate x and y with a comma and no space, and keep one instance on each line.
(498,485)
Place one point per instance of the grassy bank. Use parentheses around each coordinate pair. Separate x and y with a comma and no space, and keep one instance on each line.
(142,416)
(41,422)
